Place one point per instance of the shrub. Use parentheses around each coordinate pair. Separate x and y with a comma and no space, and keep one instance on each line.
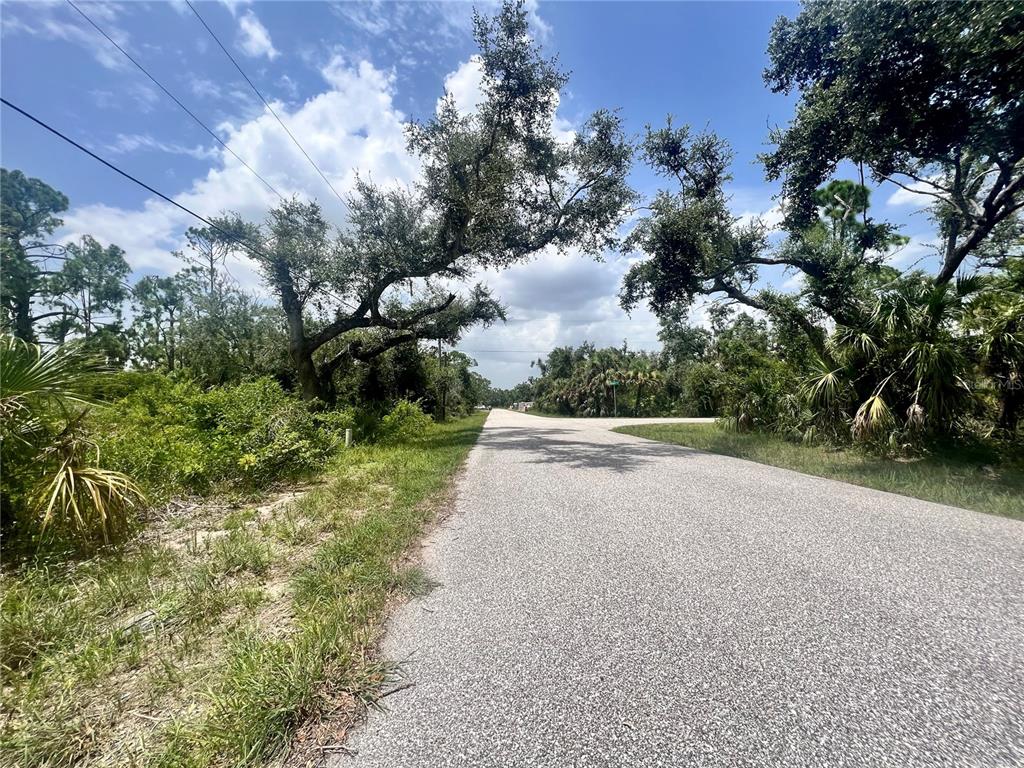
(177,437)
(404,421)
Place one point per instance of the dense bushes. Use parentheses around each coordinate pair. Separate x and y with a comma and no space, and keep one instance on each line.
(85,449)
(404,421)
(174,436)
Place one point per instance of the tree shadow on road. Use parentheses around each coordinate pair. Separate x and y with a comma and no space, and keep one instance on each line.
(556,446)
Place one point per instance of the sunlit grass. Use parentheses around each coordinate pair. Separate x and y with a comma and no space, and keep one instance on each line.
(972,479)
(210,642)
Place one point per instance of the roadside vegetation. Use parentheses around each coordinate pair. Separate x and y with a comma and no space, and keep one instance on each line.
(977,478)
(194,562)
(214,635)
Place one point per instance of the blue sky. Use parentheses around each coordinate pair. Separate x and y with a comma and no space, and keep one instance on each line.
(345,76)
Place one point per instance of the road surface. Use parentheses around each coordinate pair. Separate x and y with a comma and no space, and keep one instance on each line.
(608,601)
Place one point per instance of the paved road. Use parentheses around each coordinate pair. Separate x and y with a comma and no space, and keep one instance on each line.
(608,601)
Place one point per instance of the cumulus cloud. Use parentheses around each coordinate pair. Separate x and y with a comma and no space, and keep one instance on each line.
(554,300)
(465,86)
(351,125)
(254,39)
(916,194)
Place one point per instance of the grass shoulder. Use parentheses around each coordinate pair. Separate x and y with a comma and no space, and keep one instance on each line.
(972,479)
(215,634)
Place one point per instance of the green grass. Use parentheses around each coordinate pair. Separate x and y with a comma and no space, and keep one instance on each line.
(210,642)
(968,478)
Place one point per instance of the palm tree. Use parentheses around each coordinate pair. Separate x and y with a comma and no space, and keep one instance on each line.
(905,371)
(997,317)
(642,376)
(50,466)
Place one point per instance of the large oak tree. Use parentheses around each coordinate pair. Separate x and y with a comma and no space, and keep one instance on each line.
(928,95)
(696,247)
(497,187)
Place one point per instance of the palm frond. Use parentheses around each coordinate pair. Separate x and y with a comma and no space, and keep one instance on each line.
(88,499)
(823,388)
(873,418)
(28,374)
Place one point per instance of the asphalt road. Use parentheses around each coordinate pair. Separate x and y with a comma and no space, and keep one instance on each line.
(608,601)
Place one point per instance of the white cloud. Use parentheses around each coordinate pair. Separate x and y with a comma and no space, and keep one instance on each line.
(56,22)
(204,88)
(465,86)
(372,17)
(141,97)
(770,218)
(556,300)
(920,248)
(915,194)
(352,125)
(795,282)
(752,203)
(254,39)
(134,142)
(233,5)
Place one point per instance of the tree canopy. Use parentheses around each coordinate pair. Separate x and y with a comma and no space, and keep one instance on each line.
(927,95)
(29,210)
(497,186)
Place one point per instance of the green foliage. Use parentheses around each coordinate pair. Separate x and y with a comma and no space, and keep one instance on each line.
(735,371)
(29,210)
(997,317)
(258,622)
(52,484)
(402,423)
(176,437)
(922,93)
(476,207)
(905,374)
(90,289)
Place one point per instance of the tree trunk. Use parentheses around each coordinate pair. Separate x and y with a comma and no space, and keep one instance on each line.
(314,384)
(170,346)
(23,319)
(311,383)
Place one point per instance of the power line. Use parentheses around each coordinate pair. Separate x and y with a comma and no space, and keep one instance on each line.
(42,124)
(174,98)
(131,178)
(265,102)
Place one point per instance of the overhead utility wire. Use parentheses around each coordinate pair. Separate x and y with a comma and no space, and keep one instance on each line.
(144,185)
(174,98)
(42,124)
(266,103)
